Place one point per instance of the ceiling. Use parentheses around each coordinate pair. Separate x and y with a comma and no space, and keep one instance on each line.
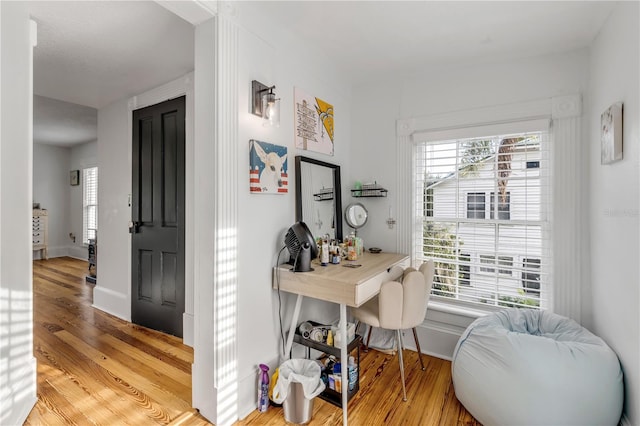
(63,123)
(93,53)
(372,40)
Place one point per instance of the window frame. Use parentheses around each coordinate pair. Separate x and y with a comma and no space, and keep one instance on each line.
(473,213)
(511,270)
(88,205)
(502,207)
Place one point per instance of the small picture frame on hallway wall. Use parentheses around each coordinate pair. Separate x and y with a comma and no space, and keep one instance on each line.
(74,177)
(611,134)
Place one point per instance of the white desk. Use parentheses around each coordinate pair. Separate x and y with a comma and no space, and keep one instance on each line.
(338,284)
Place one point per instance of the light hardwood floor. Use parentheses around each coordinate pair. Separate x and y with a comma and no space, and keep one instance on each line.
(96,369)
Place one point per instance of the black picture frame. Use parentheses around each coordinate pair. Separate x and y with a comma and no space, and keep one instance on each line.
(74,177)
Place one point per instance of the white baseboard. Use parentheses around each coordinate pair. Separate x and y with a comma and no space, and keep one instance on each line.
(248,394)
(436,339)
(23,397)
(51,252)
(111,302)
(205,394)
(78,252)
(61,251)
(187,329)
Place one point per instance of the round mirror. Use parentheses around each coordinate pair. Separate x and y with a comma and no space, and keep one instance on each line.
(356,215)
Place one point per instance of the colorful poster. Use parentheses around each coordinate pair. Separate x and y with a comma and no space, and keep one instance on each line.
(313,123)
(268,168)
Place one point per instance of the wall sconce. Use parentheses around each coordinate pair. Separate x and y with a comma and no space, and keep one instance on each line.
(265,104)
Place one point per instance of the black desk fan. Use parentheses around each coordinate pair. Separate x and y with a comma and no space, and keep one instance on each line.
(302,247)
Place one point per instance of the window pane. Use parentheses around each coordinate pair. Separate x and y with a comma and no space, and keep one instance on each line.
(89,204)
(475,205)
(500,258)
(504,202)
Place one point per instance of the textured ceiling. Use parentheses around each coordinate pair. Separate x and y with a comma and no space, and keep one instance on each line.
(370,40)
(95,52)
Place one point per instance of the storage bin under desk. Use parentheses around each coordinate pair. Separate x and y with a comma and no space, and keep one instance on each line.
(328,394)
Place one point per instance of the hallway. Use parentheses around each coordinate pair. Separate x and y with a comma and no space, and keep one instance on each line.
(94,368)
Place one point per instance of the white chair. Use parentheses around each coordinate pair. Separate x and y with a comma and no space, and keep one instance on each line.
(400,306)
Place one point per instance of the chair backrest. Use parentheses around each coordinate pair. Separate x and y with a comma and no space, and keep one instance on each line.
(404,305)
(416,295)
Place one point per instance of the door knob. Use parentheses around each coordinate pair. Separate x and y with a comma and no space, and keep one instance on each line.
(134,227)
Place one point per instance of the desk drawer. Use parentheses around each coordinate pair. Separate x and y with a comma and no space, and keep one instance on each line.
(371,287)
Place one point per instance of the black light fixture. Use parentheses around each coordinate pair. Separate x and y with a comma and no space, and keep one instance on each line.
(265,104)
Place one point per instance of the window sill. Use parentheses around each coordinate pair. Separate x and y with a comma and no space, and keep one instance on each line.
(457,307)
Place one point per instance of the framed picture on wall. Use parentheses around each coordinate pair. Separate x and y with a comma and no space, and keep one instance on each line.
(74,177)
(268,168)
(313,123)
(611,134)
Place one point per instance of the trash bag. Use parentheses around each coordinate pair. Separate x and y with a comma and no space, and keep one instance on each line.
(303,371)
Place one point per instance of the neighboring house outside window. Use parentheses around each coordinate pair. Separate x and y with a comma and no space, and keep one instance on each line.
(89,204)
(475,205)
(503,202)
(501,258)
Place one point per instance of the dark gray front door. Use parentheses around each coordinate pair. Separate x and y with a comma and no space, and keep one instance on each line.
(157,243)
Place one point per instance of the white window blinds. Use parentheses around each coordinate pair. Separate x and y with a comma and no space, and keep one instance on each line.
(89,204)
(482,208)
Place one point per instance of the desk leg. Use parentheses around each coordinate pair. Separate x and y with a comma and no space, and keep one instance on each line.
(344,361)
(292,328)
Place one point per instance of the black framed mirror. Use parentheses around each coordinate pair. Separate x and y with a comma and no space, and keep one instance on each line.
(319,197)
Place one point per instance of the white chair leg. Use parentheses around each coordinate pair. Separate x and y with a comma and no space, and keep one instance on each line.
(415,337)
(399,337)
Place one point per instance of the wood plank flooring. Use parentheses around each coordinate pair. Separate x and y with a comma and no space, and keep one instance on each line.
(430,396)
(96,369)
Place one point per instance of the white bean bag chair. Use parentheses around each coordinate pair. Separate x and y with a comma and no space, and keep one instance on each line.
(530,367)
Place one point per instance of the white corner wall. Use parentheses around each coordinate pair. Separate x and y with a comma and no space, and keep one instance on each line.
(432,91)
(81,157)
(112,293)
(274,57)
(17,363)
(52,190)
(614,204)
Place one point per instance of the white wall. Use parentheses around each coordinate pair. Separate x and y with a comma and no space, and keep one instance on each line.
(438,90)
(81,157)
(17,364)
(615,217)
(275,58)
(52,190)
(112,294)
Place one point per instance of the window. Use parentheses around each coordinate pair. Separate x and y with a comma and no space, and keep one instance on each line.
(503,201)
(531,276)
(428,202)
(465,269)
(487,260)
(89,204)
(475,205)
(500,258)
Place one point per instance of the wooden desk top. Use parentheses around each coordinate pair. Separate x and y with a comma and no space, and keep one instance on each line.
(339,284)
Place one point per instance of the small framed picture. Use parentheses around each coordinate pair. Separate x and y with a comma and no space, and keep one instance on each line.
(611,134)
(74,177)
